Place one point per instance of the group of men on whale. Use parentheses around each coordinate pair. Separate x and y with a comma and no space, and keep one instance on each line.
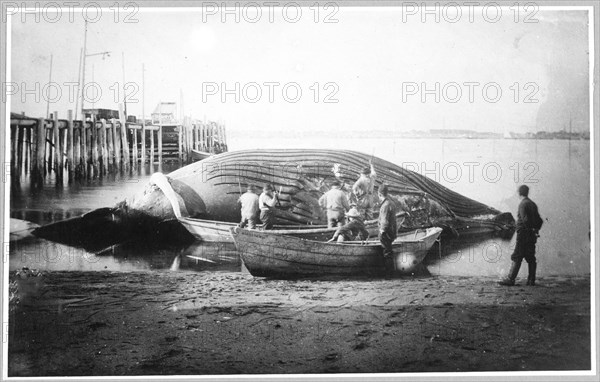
(347,214)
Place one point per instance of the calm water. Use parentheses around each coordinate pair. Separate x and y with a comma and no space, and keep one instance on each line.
(558,173)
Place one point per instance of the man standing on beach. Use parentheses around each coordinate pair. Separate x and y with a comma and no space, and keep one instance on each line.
(388,229)
(266,202)
(336,203)
(529,223)
(249,208)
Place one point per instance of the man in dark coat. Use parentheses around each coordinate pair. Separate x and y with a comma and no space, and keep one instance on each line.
(388,229)
(267,203)
(529,223)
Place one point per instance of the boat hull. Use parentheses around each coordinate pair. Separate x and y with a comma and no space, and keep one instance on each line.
(268,255)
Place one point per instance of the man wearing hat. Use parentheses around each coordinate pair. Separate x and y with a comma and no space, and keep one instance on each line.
(266,202)
(249,208)
(365,183)
(529,223)
(336,203)
(388,228)
(353,230)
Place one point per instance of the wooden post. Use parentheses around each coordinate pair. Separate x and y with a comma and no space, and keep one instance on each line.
(110,153)
(61,147)
(211,137)
(160,143)
(49,152)
(84,149)
(124,144)
(206,127)
(135,147)
(117,144)
(143,137)
(56,140)
(13,149)
(77,150)
(18,158)
(194,136)
(151,148)
(28,134)
(70,145)
(94,148)
(180,142)
(40,152)
(103,152)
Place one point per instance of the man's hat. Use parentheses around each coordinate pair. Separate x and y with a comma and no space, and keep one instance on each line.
(269,187)
(353,213)
(383,190)
(366,170)
(336,183)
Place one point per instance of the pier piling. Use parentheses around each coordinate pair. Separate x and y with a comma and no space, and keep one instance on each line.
(79,149)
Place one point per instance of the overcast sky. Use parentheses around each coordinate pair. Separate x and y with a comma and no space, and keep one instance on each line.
(374,61)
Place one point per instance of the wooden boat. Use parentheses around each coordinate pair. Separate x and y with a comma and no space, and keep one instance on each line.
(216,231)
(270,255)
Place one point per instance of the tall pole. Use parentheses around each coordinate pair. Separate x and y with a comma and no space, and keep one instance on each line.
(47,96)
(83,73)
(124,93)
(94,99)
(78,82)
(143,119)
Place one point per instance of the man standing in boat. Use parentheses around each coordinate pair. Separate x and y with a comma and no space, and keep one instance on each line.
(388,229)
(529,223)
(362,192)
(353,230)
(365,183)
(249,208)
(267,204)
(336,203)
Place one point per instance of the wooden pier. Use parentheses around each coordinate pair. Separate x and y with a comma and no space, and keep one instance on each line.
(74,149)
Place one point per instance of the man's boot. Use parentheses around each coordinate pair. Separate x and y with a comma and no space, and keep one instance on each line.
(531,276)
(512,274)
(390,270)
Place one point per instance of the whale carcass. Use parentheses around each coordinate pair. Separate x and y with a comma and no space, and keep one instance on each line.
(209,189)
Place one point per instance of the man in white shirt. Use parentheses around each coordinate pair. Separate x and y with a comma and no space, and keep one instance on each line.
(249,208)
(336,203)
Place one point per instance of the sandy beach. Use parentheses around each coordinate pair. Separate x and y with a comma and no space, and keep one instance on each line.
(185,323)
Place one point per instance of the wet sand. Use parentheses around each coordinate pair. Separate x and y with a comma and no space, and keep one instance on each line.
(184,323)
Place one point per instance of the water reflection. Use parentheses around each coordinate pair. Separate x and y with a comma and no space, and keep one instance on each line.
(50,256)
(80,196)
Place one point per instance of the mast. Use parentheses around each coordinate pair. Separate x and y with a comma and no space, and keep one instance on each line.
(124,88)
(83,72)
(47,96)
(78,82)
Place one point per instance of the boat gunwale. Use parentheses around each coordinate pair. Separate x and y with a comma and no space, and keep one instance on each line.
(353,244)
